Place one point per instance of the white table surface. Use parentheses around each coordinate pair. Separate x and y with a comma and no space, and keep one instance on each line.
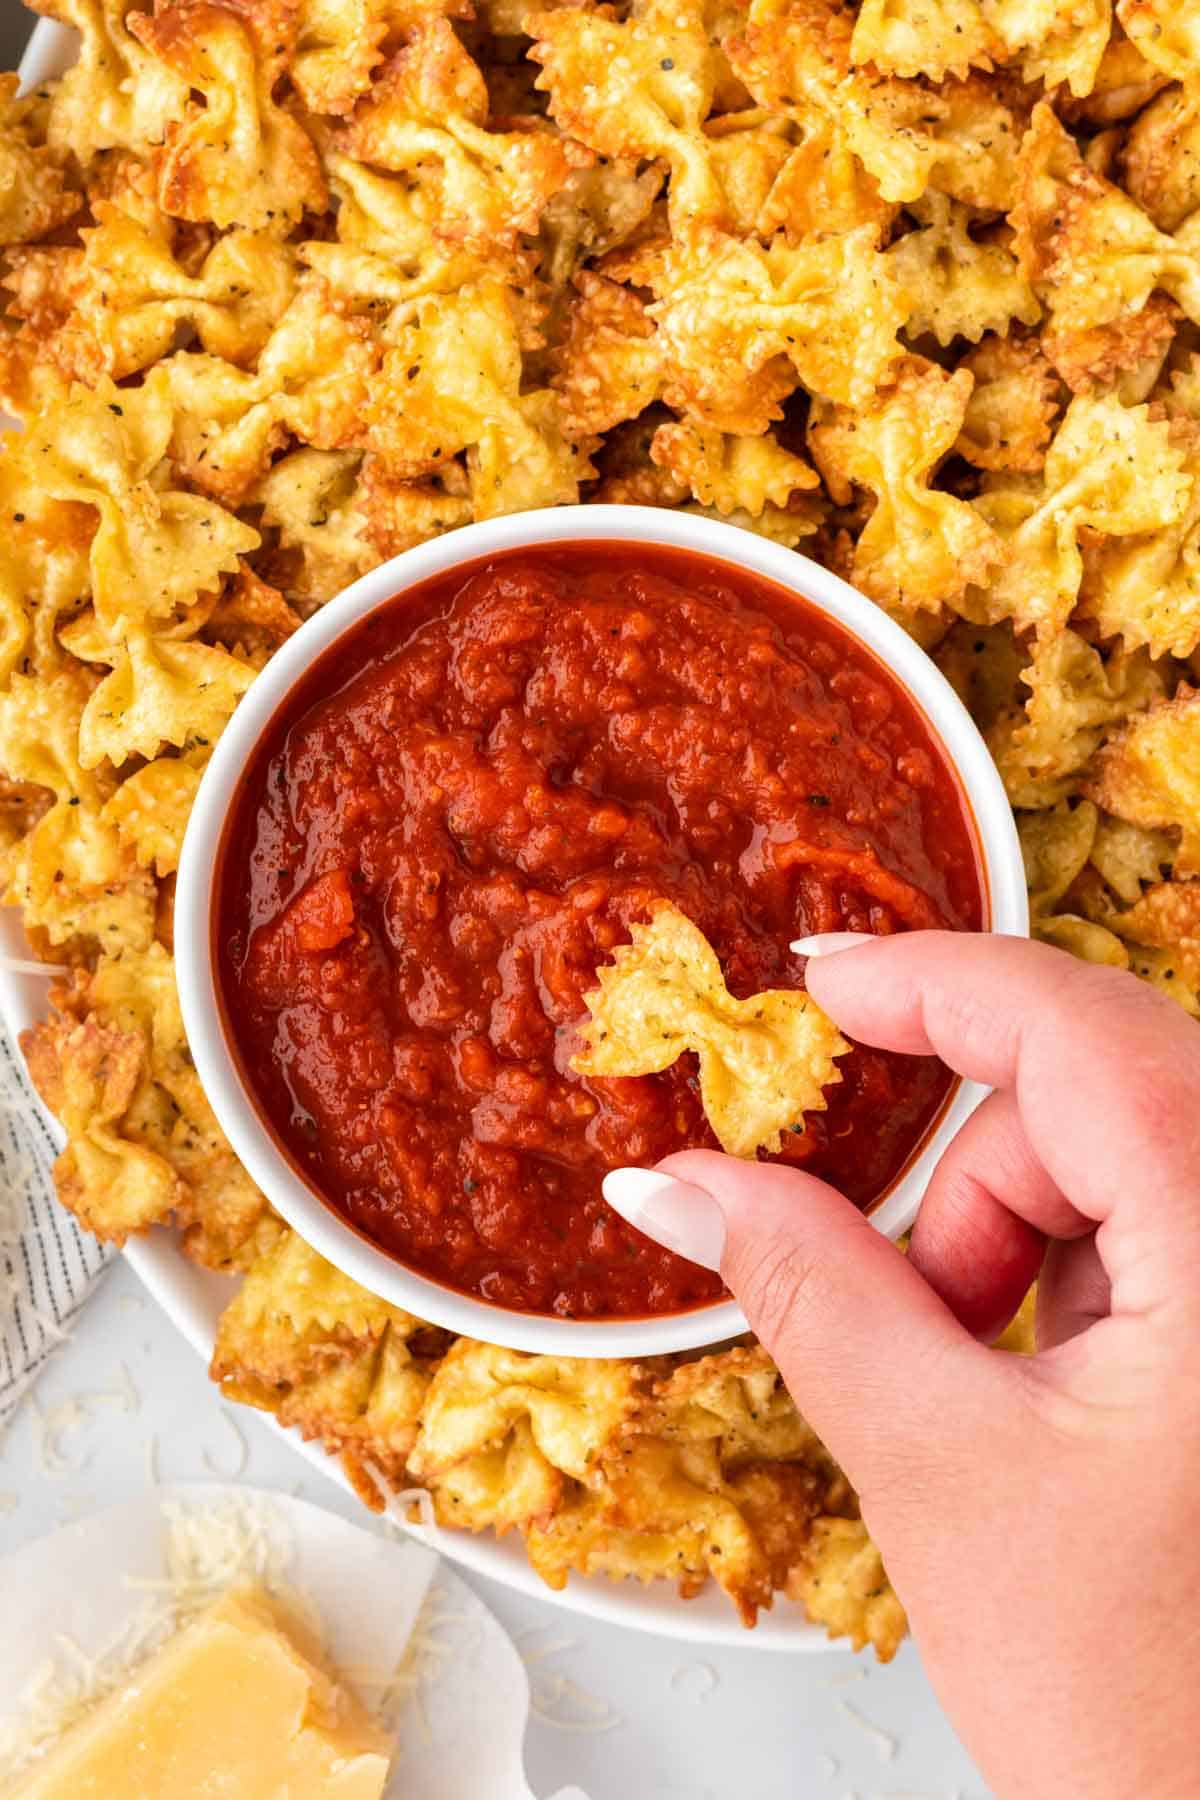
(671,1722)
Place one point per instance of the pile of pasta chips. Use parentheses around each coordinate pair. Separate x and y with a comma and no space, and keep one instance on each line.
(289,286)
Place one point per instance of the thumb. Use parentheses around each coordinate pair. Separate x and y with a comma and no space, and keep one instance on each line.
(876,1362)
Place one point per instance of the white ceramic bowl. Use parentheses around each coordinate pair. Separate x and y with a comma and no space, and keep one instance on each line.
(254,1143)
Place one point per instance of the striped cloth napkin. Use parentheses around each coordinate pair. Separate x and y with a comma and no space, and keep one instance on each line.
(48,1266)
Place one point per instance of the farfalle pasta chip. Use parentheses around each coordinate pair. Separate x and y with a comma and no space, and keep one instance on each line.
(428,107)
(637,87)
(1149,774)
(962,286)
(920,548)
(1111,469)
(236,157)
(732,315)
(731,474)
(764,1062)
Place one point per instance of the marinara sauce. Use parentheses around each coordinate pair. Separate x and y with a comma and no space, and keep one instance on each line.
(456,817)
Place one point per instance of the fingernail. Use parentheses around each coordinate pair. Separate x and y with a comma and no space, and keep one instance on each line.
(674,1213)
(826,943)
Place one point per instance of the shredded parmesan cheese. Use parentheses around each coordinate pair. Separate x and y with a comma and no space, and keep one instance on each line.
(696,1681)
(53,1425)
(885,1744)
(241,1452)
(204,1554)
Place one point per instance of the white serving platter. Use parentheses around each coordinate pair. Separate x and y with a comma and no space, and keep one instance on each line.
(193,1298)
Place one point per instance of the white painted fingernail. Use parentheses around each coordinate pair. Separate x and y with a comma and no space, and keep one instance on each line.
(674,1213)
(826,943)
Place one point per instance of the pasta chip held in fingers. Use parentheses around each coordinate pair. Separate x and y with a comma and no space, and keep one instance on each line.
(764,1062)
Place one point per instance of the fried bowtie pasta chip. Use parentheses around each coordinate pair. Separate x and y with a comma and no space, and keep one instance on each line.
(609,366)
(1111,469)
(1149,774)
(920,548)
(154,547)
(963,286)
(1129,858)
(311,383)
(844,1586)
(35,192)
(88,1075)
(1167,36)
(1146,589)
(160,690)
(764,1062)
(428,108)
(116,94)
(70,872)
(453,382)
(1074,695)
(135,297)
(339,43)
(236,157)
(1160,158)
(305,1343)
(1093,256)
(150,811)
(731,474)
(640,86)
(732,315)
(1011,408)
(574,1406)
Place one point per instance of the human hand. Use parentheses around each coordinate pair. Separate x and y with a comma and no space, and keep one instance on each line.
(1039,1516)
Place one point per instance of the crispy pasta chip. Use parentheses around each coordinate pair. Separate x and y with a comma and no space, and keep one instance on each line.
(1146,589)
(1093,256)
(963,286)
(843,1585)
(480,1393)
(134,296)
(235,156)
(764,1062)
(609,366)
(1011,408)
(302,1341)
(1149,774)
(155,547)
(920,548)
(731,474)
(88,1075)
(732,315)
(452,383)
(150,811)
(1111,469)
(36,193)
(429,107)
(1043,748)
(1159,159)
(637,87)
(116,94)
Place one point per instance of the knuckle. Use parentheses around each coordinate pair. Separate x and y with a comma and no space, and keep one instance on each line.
(777,1285)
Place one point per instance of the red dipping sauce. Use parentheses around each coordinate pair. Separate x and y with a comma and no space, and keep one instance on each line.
(453,820)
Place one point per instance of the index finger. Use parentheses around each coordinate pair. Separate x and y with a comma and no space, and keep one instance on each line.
(1105,1070)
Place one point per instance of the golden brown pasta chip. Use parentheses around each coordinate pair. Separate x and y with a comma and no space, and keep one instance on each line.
(764,1062)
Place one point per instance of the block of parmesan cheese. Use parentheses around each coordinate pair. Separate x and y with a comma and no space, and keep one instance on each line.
(236,1706)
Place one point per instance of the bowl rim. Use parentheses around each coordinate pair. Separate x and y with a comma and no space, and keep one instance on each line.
(299,1204)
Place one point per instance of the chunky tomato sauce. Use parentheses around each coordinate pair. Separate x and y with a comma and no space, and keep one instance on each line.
(455,820)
